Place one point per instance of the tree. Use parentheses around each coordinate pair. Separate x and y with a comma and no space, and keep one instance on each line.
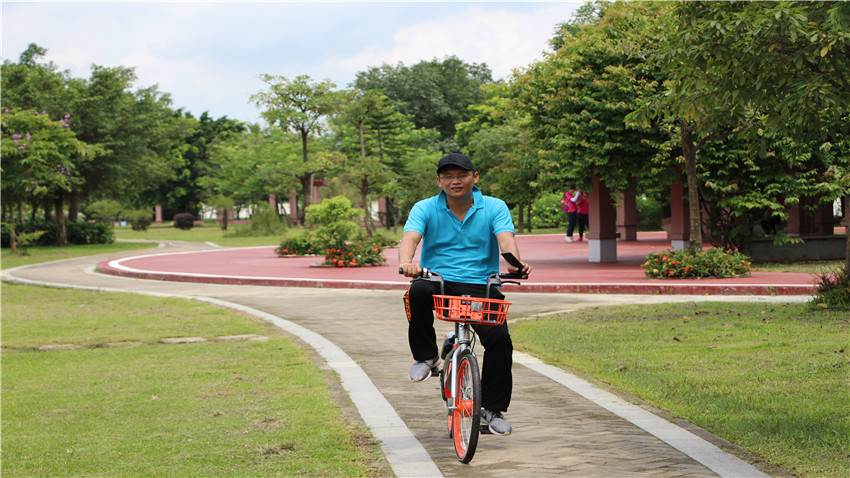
(183,193)
(436,93)
(141,139)
(40,161)
(497,142)
(377,141)
(776,67)
(577,98)
(247,167)
(302,106)
(31,84)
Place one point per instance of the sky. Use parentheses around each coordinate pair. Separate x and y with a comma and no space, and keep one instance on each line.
(209,55)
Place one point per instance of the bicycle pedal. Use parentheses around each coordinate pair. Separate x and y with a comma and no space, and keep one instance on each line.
(485,429)
(435,372)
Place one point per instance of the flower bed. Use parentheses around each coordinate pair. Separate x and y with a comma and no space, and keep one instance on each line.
(674,264)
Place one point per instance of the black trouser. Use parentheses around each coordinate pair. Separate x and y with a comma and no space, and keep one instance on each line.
(582,223)
(496,378)
(571,223)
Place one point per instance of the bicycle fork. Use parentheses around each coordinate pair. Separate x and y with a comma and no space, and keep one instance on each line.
(462,342)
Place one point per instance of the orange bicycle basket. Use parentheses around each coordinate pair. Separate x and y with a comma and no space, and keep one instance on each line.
(472,310)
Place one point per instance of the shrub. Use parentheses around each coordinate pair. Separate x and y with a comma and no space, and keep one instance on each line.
(103,211)
(355,254)
(671,263)
(184,221)
(334,218)
(25,239)
(832,291)
(81,232)
(139,219)
(45,239)
(264,222)
(546,211)
(300,245)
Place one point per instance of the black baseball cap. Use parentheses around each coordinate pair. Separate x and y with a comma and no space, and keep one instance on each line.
(455,159)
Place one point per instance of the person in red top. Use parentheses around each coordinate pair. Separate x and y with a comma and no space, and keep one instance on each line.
(570,205)
(582,215)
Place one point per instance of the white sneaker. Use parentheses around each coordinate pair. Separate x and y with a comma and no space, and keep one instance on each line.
(569,239)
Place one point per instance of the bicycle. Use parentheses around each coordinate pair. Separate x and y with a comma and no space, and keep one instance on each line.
(460,377)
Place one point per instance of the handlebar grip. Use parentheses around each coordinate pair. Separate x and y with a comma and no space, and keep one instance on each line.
(508,275)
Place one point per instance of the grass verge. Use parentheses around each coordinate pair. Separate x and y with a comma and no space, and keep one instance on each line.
(771,379)
(40,254)
(112,399)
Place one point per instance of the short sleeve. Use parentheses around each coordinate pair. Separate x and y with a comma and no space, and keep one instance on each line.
(501,217)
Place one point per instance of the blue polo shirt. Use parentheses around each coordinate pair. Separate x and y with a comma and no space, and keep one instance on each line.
(465,251)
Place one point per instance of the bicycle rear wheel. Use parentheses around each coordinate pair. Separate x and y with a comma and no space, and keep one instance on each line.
(467,413)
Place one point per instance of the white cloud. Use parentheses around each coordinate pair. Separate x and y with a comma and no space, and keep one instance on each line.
(208,55)
(502,38)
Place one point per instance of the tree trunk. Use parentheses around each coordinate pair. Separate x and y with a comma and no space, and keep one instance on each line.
(13,238)
(306,189)
(847,250)
(61,231)
(520,222)
(364,187)
(48,213)
(690,154)
(73,206)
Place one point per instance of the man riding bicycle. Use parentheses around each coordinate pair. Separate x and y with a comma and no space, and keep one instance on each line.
(462,233)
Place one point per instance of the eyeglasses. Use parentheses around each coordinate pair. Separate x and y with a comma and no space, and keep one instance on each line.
(452,177)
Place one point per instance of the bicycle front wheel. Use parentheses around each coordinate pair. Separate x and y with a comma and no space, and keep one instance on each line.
(467,413)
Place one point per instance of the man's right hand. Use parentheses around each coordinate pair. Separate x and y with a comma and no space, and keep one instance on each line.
(410,269)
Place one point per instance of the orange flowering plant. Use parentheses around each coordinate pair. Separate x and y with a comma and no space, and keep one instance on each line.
(360,253)
(675,264)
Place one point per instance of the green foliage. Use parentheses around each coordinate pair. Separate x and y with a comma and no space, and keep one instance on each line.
(355,254)
(139,219)
(299,245)
(832,291)
(576,100)
(79,232)
(84,232)
(41,156)
(184,221)
(649,213)
(546,211)
(264,222)
(675,264)
(365,251)
(26,239)
(334,218)
(436,94)
(106,211)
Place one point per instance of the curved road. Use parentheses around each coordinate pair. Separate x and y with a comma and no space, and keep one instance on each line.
(563,425)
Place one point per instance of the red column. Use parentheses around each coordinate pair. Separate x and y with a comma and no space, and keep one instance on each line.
(602,237)
(158,214)
(680,229)
(627,220)
(382,210)
(293,207)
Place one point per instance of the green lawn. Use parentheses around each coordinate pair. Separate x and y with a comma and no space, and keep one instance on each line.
(770,378)
(112,399)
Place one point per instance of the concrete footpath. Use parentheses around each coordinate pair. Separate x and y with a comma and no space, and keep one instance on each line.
(563,425)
